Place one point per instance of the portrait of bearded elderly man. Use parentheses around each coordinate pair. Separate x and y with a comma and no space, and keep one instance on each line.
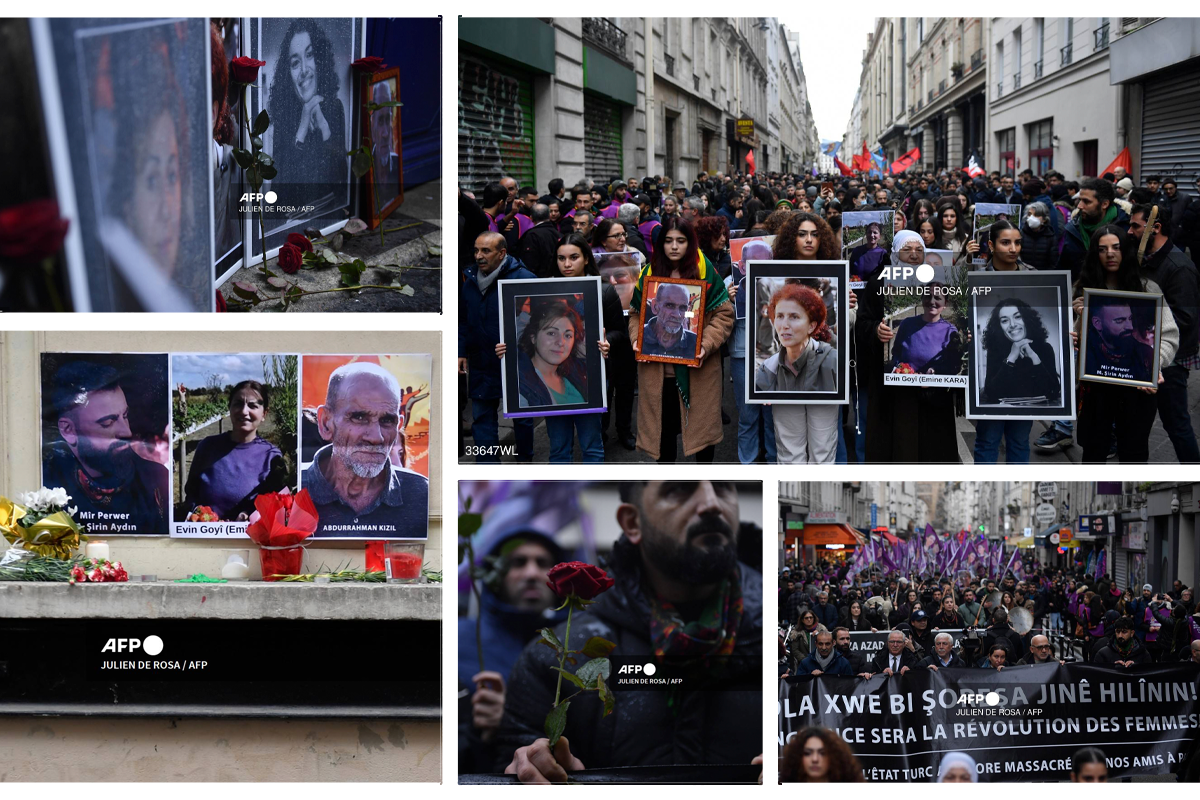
(667,333)
(386,175)
(359,488)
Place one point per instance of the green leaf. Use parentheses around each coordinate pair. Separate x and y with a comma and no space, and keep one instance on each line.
(264,159)
(556,723)
(269,172)
(569,677)
(257,144)
(261,123)
(606,695)
(361,164)
(408,290)
(549,636)
(597,647)
(596,667)
(244,290)
(278,283)
(243,158)
(468,524)
(434,250)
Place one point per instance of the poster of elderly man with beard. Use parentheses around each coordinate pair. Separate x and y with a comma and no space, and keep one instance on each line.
(104,434)
(365,444)
(674,310)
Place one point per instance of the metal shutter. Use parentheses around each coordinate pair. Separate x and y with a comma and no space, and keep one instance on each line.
(1170,121)
(1120,565)
(601,139)
(495,124)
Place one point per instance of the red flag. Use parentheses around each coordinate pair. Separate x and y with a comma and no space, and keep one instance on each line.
(905,161)
(842,167)
(1122,160)
(750,161)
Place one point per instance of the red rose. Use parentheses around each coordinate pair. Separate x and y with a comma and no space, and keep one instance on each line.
(244,69)
(370,64)
(290,258)
(31,231)
(575,577)
(300,241)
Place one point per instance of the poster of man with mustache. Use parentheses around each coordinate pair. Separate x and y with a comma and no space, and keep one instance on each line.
(104,438)
(366,444)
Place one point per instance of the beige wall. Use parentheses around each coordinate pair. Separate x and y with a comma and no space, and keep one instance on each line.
(20,428)
(94,749)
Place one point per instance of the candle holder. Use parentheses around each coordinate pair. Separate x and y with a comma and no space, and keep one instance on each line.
(403,560)
(236,565)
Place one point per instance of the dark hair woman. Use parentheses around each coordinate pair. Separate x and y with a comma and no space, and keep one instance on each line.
(307,118)
(675,399)
(713,235)
(609,236)
(229,470)
(921,210)
(952,228)
(552,362)
(1111,263)
(818,755)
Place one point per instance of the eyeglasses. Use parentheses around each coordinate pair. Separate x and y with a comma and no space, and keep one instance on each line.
(616,236)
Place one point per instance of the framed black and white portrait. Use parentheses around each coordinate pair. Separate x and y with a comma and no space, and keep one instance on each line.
(1021,361)
(802,356)
(1120,337)
(306,88)
(129,127)
(551,329)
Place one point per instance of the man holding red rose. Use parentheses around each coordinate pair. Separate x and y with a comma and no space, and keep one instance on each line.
(679,598)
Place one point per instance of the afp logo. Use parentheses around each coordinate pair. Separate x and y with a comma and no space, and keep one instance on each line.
(923,273)
(151,645)
(251,197)
(634,669)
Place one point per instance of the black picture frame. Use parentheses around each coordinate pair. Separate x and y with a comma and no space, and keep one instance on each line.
(1143,306)
(523,392)
(770,276)
(1047,294)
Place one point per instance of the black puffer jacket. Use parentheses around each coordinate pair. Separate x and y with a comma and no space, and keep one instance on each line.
(719,726)
(1039,249)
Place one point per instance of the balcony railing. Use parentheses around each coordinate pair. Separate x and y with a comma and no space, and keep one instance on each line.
(1037,70)
(976,58)
(670,62)
(696,82)
(1016,81)
(1101,37)
(604,34)
(1066,53)
(1000,89)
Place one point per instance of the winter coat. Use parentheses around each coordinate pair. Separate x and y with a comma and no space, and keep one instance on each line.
(701,423)
(839,666)
(1109,655)
(479,327)
(538,250)
(1039,249)
(826,615)
(1179,280)
(697,726)
(1073,250)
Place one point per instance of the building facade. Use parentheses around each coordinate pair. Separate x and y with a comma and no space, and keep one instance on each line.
(947,81)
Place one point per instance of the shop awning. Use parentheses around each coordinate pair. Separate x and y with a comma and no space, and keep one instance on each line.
(1024,542)
(829,533)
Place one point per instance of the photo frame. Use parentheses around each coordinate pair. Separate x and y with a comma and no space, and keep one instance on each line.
(925,306)
(1005,378)
(866,238)
(740,251)
(797,289)
(214,479)
(123,100)
(985,215)
(685,307)
(323,194)
(376,377)
(542,374)
(1122,322)
(384,184)
(620,270)
(105,419)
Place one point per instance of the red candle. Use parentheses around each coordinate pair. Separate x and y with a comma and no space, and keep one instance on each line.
(404,565)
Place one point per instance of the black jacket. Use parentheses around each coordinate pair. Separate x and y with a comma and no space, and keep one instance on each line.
(1176,275)
(538,250)
(634,239)
(1039,249)
(646,727)
(1016,648)
(1073,252)
(883,658)
(1108,655)
(933,661)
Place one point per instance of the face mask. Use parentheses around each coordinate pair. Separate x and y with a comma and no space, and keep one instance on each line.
(1034,223)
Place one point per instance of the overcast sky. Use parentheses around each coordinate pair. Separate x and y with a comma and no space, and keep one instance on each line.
(832,62)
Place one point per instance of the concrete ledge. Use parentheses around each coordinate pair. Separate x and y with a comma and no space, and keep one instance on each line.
(165,600)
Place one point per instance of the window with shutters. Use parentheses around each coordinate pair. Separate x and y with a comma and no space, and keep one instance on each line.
(495,124)
(1170,119)
(601,138)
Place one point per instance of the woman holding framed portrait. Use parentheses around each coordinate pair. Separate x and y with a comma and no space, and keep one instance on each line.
(674,399)
(806,434)
(1115,333)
